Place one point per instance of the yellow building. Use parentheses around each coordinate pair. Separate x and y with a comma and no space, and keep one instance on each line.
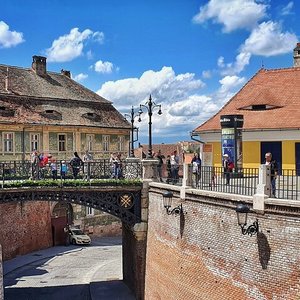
(51,113)
(269,104)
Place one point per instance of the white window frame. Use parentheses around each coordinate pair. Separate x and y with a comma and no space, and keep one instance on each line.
(58,142)
(34,141)
(90,141)
(7,142)
(106,142)
(121,143)
(90,211)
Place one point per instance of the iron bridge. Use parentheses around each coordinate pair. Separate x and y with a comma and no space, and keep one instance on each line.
(123,202)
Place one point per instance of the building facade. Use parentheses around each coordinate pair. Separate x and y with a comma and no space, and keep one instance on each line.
(269,104)
(51,113)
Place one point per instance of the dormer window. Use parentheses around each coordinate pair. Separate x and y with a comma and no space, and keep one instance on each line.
(6,111)
(259,107)
(92,116)
(52,114)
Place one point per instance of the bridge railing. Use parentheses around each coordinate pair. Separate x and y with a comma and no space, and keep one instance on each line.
(96,169)
(242,181)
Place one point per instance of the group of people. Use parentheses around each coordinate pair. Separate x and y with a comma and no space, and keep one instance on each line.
(39,163)
(172,166)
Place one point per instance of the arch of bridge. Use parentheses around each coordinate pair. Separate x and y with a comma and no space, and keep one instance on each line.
(123,202)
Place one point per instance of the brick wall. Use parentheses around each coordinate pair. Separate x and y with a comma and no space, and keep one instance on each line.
(203,255)
(24,228)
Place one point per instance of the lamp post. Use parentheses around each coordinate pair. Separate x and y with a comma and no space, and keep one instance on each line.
(167,202)
(242,211)
(132,116)
(149,105)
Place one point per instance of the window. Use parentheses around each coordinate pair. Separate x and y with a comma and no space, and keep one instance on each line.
(8,141)
(90,142)
(89,211)
(105,140)
(34,141)
(61,142)
(121,141)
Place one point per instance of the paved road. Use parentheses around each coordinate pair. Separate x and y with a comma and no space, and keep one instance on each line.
(73,272)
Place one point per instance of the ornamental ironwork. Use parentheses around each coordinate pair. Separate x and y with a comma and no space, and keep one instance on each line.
(124,204)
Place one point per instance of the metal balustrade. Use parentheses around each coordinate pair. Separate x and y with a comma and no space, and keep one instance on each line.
(20,171)
(242,181)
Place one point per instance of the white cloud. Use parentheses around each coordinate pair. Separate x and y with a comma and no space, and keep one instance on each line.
(9,38)
(177,93)
(229,86)
(98,37)
(269,40)
(70,46)
(89,55)
(207,74)
(103,66)
(232,14)
(287,10)
(164,85)
(80,77)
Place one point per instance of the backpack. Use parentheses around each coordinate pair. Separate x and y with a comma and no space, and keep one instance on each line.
(230,166)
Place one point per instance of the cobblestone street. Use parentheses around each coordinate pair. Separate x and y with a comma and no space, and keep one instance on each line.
(73,272)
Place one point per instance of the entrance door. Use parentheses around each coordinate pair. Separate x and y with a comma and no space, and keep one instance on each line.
(297,152)
(275,148)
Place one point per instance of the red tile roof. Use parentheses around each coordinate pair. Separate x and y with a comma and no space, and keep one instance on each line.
(279,89)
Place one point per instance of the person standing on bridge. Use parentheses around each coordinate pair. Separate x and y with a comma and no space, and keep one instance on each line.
(76,163)
(87,158)
(274,171)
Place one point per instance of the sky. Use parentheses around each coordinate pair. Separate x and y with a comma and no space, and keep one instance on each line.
(192,56)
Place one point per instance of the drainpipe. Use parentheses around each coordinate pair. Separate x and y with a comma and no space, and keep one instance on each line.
(193,134)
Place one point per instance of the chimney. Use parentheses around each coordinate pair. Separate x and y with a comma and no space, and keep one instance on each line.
(66,73)
(297,56)
(39,65)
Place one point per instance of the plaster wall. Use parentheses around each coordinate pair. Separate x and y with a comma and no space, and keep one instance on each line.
(203,255)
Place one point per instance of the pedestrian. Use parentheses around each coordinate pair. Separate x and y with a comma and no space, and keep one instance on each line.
(196,165)
(160,158)
(168,166)
(76,163)
(35,165)
(63,169)
(174,167)
(87,158)
(274,171)
(228,167)
(53,167)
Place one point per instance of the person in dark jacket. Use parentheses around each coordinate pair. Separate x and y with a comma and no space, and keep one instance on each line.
(274,171)
(76,163)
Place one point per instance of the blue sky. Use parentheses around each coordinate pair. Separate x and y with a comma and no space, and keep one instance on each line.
(191,55)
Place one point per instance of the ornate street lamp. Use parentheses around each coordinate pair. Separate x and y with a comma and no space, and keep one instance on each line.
(167,201)
(149,105)
(242,214)
(132,116)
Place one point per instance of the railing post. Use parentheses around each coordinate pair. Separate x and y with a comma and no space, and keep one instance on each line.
(186,180)
(263,189)
(150,169)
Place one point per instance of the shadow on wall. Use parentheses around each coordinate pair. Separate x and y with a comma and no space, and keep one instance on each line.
(264,250)
(182,223)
